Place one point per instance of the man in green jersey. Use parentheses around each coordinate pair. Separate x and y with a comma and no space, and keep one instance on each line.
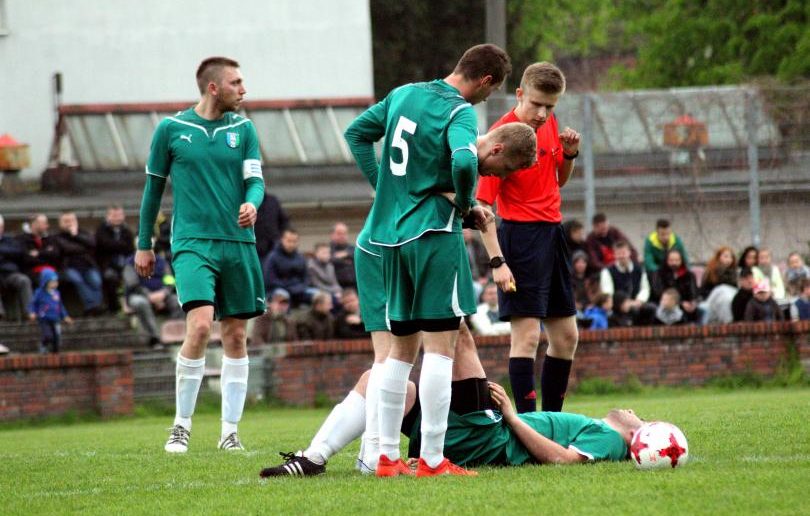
(499,152)
(483,427)
(212,156)
(429,133)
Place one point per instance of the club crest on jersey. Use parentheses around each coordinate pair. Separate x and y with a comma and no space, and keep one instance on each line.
(232,139)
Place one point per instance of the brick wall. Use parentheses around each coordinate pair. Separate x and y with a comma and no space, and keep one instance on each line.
(33,386)
(683,355)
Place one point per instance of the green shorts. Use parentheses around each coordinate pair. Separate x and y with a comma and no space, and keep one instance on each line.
(428,278)
(223,273)
(370,286)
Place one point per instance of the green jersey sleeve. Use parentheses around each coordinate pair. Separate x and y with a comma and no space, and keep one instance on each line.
(599,442)
(160,159)
(366,129)
(462,134)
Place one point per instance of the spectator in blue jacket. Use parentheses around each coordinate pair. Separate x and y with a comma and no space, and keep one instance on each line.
(286,268)
(47,309)
(599,311)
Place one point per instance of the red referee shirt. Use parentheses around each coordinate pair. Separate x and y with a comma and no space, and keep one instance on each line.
(531,194)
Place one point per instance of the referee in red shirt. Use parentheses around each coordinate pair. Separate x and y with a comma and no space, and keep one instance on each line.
(534,246)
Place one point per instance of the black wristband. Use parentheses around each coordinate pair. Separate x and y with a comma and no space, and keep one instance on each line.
(569,157)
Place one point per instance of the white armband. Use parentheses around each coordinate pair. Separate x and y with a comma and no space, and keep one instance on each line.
(251,168)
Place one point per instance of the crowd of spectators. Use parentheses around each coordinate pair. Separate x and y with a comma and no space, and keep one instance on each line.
(311,295)
(613,287)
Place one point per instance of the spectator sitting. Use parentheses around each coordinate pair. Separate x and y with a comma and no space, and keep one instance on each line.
(114,244)
(762,307)
(15,286)
(800,308)
(622,314)
(348,323)
(748,258)
(743,295)
(163,236)
(342,255)
(675,274)
(271,221)
(47,309)
(627,277)
(321,272)
(720,270)
(659,243)
(275,325)
(575,236)
(286,268)
(78,248)
(41,249)
(150,296)
(599,311)
(795,274)
(317,323)
(669,312)
(583,279)
(485,320)
(766,270)
(600,242)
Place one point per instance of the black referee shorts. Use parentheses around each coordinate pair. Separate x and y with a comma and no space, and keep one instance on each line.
(537,253)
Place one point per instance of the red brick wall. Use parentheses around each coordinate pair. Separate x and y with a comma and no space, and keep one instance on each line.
(33,386)
(683,355)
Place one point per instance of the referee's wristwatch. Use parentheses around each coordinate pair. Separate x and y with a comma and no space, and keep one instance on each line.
(496,262)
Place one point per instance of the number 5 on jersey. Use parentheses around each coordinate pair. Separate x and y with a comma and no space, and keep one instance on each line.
(408,126)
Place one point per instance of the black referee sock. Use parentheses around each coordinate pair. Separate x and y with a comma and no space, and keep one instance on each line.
(521,376)
(554,382)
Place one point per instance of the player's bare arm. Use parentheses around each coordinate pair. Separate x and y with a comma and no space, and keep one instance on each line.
(570,142)
(145,262)
(247,215)
(542,449)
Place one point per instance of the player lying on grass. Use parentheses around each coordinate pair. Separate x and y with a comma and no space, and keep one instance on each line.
(483,427)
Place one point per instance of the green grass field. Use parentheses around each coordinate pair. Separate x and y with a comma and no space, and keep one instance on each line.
(750,453)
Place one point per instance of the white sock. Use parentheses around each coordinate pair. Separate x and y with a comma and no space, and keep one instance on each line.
(434,397)
(370,449)
(234,379)
(344,424)
(189,374)
(393,387)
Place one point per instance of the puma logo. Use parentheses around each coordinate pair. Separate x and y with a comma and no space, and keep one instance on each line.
(186,137)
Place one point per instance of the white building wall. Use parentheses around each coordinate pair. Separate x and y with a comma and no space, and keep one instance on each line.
(148,51)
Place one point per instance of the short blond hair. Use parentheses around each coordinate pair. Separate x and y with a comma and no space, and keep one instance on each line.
(544,77)
(520,144)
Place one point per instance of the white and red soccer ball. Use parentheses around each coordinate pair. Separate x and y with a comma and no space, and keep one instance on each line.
(658,445)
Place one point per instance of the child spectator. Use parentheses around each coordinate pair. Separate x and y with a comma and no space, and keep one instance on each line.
(584,280)
(743,295)
(800,309)
(668,311)
(47,309)
(795,274)
(766,270)
(599,311)
(321,271)
(762,307)
(675,274)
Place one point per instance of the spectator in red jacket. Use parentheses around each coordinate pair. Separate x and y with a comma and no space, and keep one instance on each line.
(600,242)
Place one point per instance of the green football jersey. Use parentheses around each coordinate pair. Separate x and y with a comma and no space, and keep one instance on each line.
(208,162)
(484,438)
(425,126)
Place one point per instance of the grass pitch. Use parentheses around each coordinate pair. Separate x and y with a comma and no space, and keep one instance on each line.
(749,453)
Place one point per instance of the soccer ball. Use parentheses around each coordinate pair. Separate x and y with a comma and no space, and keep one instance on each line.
(658,445)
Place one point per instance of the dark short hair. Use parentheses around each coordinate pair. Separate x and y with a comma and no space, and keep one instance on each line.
(598,218)
(662,223)
(482,60)
(621,244)
(600,299)
(210,69)
(290,230)
(746,272)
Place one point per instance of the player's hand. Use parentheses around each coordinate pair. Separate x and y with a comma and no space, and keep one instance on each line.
(247,215)
(145,263)
(483,217)
(69,320)
(503,278)
(502,400)
(570,141)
